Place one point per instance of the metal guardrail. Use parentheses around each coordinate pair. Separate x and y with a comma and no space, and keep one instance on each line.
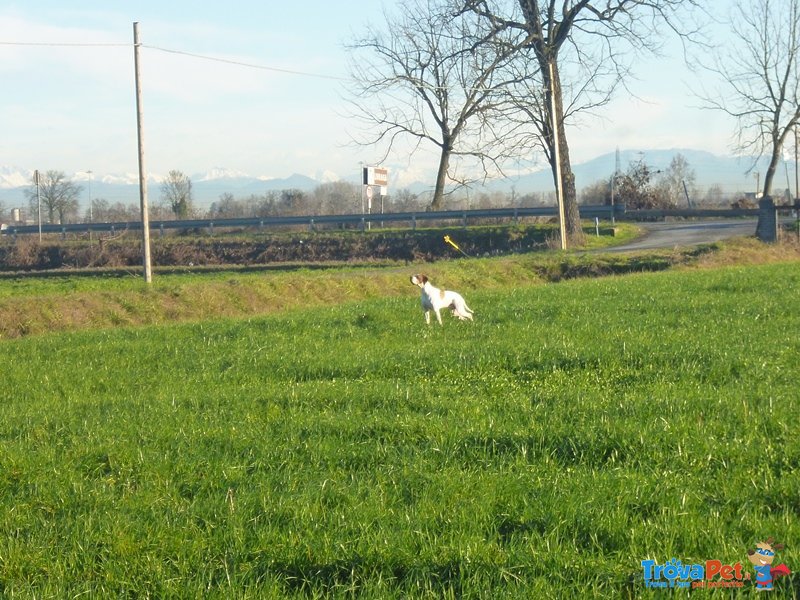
(603,212)
(362,220)
(697,213)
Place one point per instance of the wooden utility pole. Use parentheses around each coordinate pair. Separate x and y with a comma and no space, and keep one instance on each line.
(148,273)
(796,175)
(38,203)
(562,218)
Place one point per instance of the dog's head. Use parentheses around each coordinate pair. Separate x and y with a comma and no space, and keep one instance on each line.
(764,552)
(419,280)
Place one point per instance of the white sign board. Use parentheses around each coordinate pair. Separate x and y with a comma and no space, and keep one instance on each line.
(376,176)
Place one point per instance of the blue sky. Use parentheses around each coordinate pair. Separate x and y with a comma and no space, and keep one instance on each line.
(72,108)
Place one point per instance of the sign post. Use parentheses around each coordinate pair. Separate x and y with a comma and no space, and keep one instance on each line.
(369,205)
(377,177)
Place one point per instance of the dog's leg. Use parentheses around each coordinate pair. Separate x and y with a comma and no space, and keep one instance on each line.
(466,312)
(427,317)
(460,309)
(438,316)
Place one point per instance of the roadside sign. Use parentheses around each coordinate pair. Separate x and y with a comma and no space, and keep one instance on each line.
(381,177)
(376,176)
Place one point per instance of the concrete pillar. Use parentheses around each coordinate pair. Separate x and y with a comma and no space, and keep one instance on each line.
(767,229)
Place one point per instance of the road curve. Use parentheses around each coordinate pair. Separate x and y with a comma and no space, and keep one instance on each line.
(687,233)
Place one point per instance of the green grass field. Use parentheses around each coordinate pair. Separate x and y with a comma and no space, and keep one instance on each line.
(573,431)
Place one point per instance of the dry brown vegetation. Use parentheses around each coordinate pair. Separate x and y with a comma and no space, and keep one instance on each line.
(749,251)
(27,254)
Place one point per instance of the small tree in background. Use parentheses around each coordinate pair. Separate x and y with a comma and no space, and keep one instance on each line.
(715,196)
(104,211)
(635,189)
(598,192)
(176,193)
(336,198)
(58,196)
(678,181)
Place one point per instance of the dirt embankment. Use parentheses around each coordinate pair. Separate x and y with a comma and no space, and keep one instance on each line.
(27,254)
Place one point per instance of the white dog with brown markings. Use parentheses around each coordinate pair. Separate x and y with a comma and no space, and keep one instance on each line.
(433,300)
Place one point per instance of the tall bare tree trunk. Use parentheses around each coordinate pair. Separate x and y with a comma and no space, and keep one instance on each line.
(779,138)
(769,176)
(572,215)
(441,177)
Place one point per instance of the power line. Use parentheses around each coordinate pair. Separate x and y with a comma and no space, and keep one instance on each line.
(60,44)
(420,84)
(249,65)
(182,53)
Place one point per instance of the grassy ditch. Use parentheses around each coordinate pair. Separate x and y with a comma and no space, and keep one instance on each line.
(100,299)
(544,451)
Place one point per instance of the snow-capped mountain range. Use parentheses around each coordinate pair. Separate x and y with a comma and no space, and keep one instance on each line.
(206,187)
(732,174)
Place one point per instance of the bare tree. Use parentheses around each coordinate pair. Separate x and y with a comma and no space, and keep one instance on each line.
(294,202)
(336,197)
(431,76)
(57,194)
(760,78)
(598,192)
(405,200)
(267,205)
(677,181)
(176,192)
(636,190)
(714,196)
(599,36)
(104,211)
(227,207)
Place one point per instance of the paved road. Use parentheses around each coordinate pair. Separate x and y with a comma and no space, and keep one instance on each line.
(688,233)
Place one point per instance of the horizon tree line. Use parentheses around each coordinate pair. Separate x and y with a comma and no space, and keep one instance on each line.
(640,186)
